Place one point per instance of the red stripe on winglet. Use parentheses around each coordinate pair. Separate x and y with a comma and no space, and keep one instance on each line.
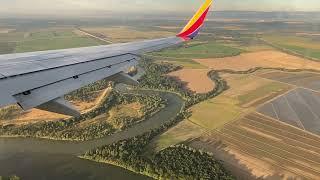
(195,26)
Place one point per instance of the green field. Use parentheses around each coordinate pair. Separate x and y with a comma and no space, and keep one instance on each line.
(187,63)
(185,54)
(302,45)
(200,51)
(216,112)
(184,131)
(53,39)
(39,40)
(314,53)
(266,91)
(208,115)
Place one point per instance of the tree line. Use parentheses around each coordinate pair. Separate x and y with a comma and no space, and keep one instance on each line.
(86,93)
(69,129)
(176,162)
(156,78)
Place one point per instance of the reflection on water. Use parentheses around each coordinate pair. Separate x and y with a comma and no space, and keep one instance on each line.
(44,166)
(33,159)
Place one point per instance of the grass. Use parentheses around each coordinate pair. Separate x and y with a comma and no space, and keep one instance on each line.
(40,40)
(184,55)
(314,53)
(301,45)
(126,34)
(216,112)
(184,131)
(200,51)
(126,110)
(121,111)
(53,39)
(265,144)
(186,63)
(251,91)
(267,91)
(10,112)
(189,64)
(257,141)
(11,36)
(7,47)
(245,93)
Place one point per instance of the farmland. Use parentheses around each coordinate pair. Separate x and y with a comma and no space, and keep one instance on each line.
(262,147)
(119,34)
(196,80)
(305,46)
(53,39)
(185,54)
(308,80)
(200,50)
(245,93)
(298,107)
(271,59)
(43,39)
(184,131)
(238,127)
(251,91)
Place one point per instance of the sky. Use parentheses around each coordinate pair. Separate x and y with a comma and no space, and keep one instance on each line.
(60,7)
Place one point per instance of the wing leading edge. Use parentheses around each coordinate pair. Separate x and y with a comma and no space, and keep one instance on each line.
(41,79)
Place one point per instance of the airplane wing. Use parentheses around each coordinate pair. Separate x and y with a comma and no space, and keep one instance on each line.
(41,79)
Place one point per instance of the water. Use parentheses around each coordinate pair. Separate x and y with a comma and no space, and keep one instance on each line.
(41,159)
(47,166)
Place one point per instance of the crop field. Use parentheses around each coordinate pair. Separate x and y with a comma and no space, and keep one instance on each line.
(216,112)
(263,147)
(47,39)
(246,92)
(199,50)
(305,46)
(252,91)
(299,107)
(306,80)
(271,59)
(53,39)
(185,63)
(5,30)
(184,131)
(196,80)
(185,54)
(126,34)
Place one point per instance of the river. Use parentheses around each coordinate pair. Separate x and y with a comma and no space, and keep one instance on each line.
(42,159)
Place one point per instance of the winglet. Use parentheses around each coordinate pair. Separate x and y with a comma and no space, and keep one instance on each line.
(193,27)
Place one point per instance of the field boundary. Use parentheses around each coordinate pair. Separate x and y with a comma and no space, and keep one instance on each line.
(287,51)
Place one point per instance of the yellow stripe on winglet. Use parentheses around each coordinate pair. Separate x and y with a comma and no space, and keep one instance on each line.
(203,8)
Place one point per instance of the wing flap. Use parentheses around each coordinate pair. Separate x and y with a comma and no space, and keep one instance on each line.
(20,84)
(60,106)
(41,95)
(6,99)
